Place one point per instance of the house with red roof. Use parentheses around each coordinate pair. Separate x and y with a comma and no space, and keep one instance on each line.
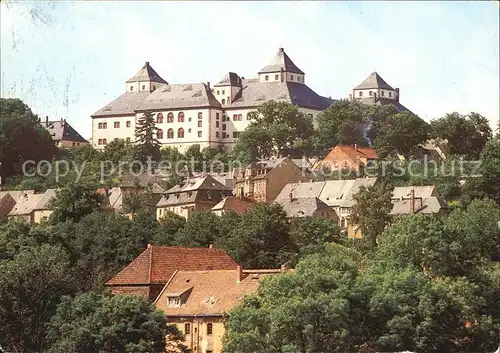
(346,157)
(151,270)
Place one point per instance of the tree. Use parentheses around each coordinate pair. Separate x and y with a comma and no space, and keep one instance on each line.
(262,239)
(275,128)
(102,243)
(370,211)
(73,202)
(488,183)
(146,142)
(341,124)
(254,143)
(94,322)
(201,230)
(194,158)
(31,285)
(466,134)
(116,151)
(310,235)
(22,137)
(168,227)
(400,133)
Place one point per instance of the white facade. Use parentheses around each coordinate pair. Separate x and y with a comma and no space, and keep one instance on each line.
(217,122)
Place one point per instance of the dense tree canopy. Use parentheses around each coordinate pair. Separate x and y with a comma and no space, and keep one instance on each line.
(146,141)
(94,322)
(22,137)
(73,202)
(466,134)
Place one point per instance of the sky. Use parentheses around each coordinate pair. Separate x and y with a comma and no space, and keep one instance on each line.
(69,59)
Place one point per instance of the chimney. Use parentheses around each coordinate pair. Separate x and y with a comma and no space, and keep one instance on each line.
(355,146)
(397,95)
(281,50)
(239,274)
(210,246)
(412,201)
(149,245)
(147,63)
(47,121)
(284,268)
(208,85)
(350,95)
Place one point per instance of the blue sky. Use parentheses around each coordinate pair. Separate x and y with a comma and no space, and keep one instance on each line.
(69,59)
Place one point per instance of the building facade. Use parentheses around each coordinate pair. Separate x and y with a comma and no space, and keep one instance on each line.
(63,134)
(197,113)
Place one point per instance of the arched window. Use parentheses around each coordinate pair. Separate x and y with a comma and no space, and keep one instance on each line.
(180,117)
(159,118)
(180,133)
(170,133)
(159,134)
(170,117)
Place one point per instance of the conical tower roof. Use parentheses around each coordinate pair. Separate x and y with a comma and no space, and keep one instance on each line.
(374,81)
(281,61)
(147,73)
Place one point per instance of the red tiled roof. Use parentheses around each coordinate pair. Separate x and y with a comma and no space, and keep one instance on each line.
(358,152)
(158,263)
(233,203)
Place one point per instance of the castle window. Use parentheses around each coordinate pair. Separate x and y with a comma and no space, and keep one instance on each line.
(200,123)
(180,133)
(116,124)
(216,124)
(187,328)
(180,117)
(235,117)
(276,77)
(199,134)
(170,117)
(189,130)
(104,141)
(217,134)
(370,93)
(200,115)
(291,77)
(249,116)
(209,328)
(159,118)
(216,116)
(154,87)
(170,133)
(104,125)
(218,92)
(390,94)
(223,101)
(267,77)
(382,93)
(159,134)
(224,127)
(131,88)
(99,142)
(223,92)
(240,117)
(127,124)
(361,94)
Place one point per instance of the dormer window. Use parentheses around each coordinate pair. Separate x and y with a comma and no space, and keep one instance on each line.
(173,302)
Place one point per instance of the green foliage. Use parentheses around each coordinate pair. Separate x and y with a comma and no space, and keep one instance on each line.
(116,151)
(400,133)
(371,211)
(311,235)
(262,238)
(201,230)
(276,128)
(73,202)
(341,124)
(466,134)
(31,284)
(167,229)
(94,322)
(146,143)
(22,137)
